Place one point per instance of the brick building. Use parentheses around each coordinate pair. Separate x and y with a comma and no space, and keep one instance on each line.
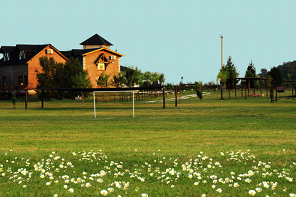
(19,63)
(96,57)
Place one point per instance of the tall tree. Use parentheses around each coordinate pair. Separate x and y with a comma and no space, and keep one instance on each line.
(228,73)
(58,75)
(263,73)
(275,73)
(251,72)
(132,76)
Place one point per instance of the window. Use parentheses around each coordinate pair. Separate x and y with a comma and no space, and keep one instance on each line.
(4,81)
(22,55)
(102,62)
(101,66)
(23,80)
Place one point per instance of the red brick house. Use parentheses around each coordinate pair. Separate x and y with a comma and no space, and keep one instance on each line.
(19,63)
(96,57)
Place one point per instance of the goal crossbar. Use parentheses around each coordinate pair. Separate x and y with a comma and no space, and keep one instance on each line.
(114,91)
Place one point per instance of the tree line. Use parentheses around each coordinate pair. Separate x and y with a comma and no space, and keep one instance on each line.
(228,73)
(71,75)
(131,76)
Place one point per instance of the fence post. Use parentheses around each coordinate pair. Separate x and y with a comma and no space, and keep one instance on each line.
(42,92)
(271,94)
(82,94)
(26,104)
(163,93)
(176,95)
(276,95)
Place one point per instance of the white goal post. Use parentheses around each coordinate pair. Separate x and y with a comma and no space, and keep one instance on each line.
(114,91)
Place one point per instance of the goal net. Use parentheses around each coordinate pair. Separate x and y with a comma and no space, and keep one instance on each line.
(94,95)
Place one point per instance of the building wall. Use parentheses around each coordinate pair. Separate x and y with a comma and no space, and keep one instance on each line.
(12,72)
(93,72)
(95,46)
(34,65)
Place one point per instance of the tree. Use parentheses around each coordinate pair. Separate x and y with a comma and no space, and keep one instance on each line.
(228,73)
(251,72)
(197,89)
(103,80)
(263,73)
(288,77)
(58,75)
(223,75)
(288,68)
(161,78)
(132,76)
(118,80)
(153,77)
(275,73)
(147,78)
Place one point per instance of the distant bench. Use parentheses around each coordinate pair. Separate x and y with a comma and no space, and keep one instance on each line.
(280,88)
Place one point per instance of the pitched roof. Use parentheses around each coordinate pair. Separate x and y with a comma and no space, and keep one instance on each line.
(96,40)
(31,49)
(83,52)
(7,49)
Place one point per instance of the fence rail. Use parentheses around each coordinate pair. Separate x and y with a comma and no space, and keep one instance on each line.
(5,91)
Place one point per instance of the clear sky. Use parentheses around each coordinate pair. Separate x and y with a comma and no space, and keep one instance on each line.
(177,38)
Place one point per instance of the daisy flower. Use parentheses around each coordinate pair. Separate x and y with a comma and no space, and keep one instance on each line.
(252,192)
(104,192)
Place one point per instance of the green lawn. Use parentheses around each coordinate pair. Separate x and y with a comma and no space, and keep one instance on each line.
(236,145)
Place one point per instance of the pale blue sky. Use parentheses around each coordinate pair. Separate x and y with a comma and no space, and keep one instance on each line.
(177,38)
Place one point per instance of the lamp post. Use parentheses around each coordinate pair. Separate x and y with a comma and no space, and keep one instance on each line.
(221,36)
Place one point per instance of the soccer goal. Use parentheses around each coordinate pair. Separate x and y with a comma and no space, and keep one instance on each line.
(94,94)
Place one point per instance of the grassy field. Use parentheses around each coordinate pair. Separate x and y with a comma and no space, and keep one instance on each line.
(230,147)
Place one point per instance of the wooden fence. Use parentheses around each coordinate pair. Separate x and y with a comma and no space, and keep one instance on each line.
(5,91)
(126,97)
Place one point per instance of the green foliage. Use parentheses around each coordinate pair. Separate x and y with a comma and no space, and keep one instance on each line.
(223,75)
(58,75)
(103,80)
(227,73)
(197,89)
(199,94)
(288,77)
(269,81)
(13,99)
(275,73)
(251,72)
(263,73)
(78,80)
(133,76)
(170,86)
(118,80)
(244,138)
(288,68)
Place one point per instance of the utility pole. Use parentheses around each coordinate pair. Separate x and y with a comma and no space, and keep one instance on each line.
(221,36)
